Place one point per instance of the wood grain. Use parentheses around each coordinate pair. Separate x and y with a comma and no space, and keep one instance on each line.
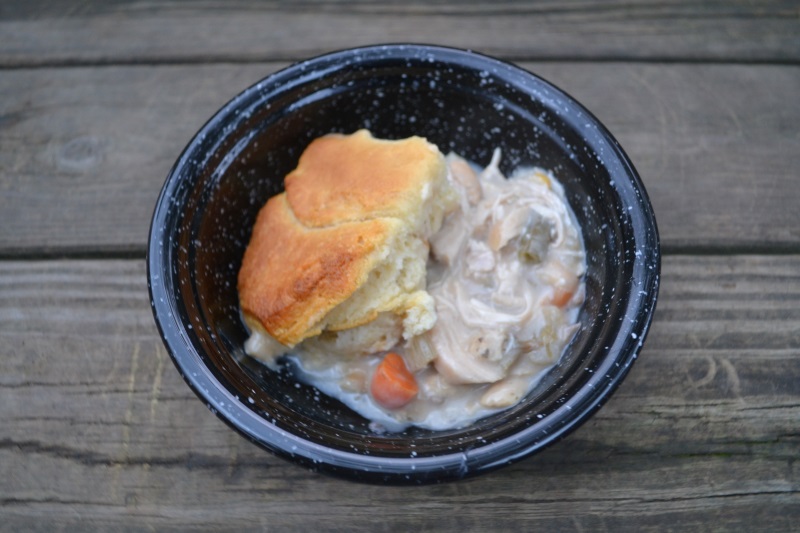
(51,33)
(84,151)
(98,431)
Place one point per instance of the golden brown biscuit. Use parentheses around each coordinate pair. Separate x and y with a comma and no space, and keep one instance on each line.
(347,241)
(356,177)
(292,276)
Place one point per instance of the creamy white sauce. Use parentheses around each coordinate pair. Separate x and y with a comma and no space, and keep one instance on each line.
(505,273)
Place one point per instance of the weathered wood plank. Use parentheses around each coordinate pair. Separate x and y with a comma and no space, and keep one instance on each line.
(84,151)
(98,431)
(47,33)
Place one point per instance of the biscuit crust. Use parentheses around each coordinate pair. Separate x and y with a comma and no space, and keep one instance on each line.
(292,276)
(355,215)
(342,178)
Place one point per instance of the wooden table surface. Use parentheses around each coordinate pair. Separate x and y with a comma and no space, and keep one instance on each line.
(99,432)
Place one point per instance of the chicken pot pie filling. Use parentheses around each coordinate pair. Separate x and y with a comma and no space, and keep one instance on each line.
(493,311)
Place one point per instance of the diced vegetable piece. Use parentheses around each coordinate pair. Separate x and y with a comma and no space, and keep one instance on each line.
(562,295)
(393,386)
(535,239)
(563,281)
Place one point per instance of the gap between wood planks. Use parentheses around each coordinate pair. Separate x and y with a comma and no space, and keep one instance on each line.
(136,252)
(178,61)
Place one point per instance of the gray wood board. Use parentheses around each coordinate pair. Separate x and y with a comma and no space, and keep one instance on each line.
(48,33)
(98,431)
(85,151)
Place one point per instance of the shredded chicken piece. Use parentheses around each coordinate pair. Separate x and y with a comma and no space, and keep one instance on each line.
(463,174)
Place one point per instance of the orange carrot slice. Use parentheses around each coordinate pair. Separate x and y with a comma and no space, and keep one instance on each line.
(562,296)
(393,386)
(564,283)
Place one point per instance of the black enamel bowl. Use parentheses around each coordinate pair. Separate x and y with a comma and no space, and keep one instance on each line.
(461,101)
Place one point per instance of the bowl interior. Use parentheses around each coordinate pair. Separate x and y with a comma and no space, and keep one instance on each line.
(462,102)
